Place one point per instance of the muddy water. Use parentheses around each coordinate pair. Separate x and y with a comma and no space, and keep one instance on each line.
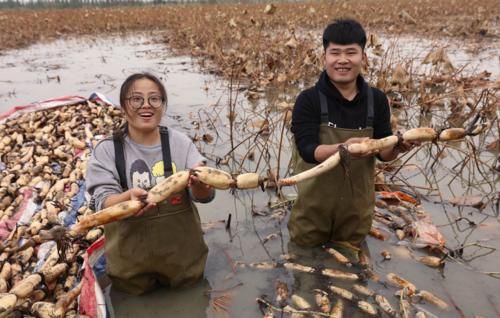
(86,65)
(81,66)
(467,58)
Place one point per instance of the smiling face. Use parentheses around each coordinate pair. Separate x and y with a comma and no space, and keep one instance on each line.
(343,63)
(145,118)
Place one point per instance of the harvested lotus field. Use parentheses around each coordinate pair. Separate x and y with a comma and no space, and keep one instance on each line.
(433,246)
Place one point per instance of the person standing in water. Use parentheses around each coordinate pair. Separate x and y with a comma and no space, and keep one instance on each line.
(340,109)
(164,244)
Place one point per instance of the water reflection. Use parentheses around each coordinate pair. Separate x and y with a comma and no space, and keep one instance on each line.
(85,65)
(161,302)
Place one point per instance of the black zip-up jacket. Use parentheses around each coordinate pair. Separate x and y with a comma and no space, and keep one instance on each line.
(342,112)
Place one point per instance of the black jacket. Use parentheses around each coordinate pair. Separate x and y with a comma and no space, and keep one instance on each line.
(342,112)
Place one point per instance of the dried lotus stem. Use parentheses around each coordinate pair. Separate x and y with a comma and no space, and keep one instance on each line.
(479,129)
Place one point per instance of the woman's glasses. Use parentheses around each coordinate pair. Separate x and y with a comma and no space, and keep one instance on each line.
(137,102)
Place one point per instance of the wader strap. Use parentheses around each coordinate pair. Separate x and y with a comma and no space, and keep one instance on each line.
(324,107)
(165,149)
(120,156)
(369,119)
(120,160)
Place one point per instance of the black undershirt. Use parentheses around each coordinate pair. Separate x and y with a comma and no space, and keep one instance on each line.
(342,112)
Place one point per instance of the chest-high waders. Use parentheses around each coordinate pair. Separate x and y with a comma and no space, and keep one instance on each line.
(333,207)
(165,245)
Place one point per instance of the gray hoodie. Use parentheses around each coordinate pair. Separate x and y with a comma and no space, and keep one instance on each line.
(143,165)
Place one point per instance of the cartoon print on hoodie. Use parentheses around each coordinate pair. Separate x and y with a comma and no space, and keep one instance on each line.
(140,175)
(158,172)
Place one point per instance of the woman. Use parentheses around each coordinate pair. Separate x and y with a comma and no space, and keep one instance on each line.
(163,243)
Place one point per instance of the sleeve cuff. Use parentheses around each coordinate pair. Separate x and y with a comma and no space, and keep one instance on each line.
(205,200)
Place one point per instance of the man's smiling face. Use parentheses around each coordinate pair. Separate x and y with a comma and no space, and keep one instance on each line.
(343,63)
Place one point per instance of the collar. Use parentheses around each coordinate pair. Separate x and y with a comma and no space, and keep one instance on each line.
(327,87)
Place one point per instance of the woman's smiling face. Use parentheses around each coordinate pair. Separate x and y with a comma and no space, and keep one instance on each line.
(144,105)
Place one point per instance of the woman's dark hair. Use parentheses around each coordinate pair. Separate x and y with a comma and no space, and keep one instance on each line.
(137,76)
(127,84)
(344,32)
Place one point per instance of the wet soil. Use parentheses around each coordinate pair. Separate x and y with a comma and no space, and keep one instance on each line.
(471,20)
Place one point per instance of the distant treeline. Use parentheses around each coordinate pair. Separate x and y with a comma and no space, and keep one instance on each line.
(4,4)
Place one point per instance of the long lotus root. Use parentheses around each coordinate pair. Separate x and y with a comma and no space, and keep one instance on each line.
(421,134)
(222,180)
(113,213)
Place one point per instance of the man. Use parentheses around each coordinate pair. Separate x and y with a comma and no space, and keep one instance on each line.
(340,109)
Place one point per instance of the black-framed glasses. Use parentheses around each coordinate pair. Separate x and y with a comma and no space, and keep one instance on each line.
(136,102)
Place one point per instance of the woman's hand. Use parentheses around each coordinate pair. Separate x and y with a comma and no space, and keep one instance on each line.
(140,195)
(137,194)
(200,190)
(405,146)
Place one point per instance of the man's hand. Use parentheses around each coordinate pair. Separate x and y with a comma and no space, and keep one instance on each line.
(401,147)
(323,152)
(359,140)
(356,140)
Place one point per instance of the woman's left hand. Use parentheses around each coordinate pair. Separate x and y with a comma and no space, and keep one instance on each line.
(199,189)
(195,183)
(405,146)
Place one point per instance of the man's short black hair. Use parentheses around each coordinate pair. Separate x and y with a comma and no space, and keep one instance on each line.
(344,32)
